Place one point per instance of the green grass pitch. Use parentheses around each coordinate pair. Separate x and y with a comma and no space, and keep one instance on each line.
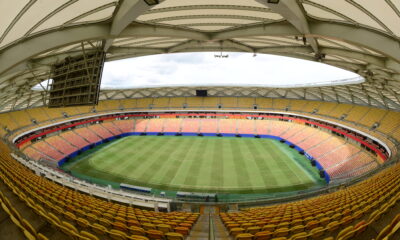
(199,164)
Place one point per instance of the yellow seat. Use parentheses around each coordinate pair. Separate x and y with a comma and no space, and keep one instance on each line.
(244,236)
(154,234)
(134,230)
(99,229)
(88,235)
(28,227)
(281,232)
(333,226)
(344,232)
(82,222)
(28,235)
(117,235)
(41,237)
(164,228)
(137,237)
(236,231)
(69,230)
(147,226)
(264,235)
(253,230)
(317,232)
(297,229)
(182,230)
(174,236)
(300,236)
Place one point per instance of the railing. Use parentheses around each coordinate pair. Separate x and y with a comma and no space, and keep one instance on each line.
(211,235)
(93,189)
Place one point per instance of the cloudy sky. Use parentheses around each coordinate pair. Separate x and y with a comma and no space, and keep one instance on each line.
(183,69)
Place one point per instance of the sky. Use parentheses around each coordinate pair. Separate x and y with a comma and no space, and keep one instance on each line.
(204,69)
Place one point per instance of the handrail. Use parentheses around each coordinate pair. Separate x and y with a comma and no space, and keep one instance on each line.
(211,235)
(92,189)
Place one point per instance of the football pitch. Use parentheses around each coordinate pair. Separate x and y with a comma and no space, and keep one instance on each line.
(198,164)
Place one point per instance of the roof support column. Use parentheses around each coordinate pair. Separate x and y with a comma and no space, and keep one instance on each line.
(128,11)
(291,10)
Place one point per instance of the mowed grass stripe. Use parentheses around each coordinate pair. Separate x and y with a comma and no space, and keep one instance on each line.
(196,164)
(261,161)
(184,167)
(193,176)
(228,172)
(278,166)
(302,175)
(217,164)
(242,174)
(159,159)
(113,156)
(176,160)
(124,166)
(251,162)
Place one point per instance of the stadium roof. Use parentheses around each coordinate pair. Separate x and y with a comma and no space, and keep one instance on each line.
(362,36)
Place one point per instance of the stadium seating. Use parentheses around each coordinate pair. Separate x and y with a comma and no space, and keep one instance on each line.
(246,103)
(227,126)
(6,121)
(155,125)
(245,127)
(74,139)
(190,125)
(172,125)
(357,116)
(229,102)
(141,125)
(34,154)
(195,102)
(280,104)
(357,113)
(125,125)
(264,103)
(310,106)
(89,136)
(73,212)
(21,118)
(177,102)
(211,102)
(45,148)
(342,161)
(209,125)
(277,128)
(111,128)
(339,158)
(61,145)
(144,103)
(262,127)
(160,103)
(297,105)
(327,215)
(99,130)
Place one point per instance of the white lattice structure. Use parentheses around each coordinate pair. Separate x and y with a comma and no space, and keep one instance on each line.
(357,35)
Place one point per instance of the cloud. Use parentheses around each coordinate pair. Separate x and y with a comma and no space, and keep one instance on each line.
(240,69)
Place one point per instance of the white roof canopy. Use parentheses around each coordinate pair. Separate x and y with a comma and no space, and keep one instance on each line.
(358,35)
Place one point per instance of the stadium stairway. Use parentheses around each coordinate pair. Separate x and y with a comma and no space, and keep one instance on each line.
(10,231)
(209,224)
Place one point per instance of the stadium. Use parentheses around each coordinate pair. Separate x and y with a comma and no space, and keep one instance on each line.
(249,162)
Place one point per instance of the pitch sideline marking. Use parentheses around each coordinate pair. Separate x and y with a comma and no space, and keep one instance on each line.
(298,165)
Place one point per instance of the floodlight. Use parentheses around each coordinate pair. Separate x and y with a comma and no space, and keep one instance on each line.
(273,1)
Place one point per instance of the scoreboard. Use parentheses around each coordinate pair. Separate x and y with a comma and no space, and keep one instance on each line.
(76,80)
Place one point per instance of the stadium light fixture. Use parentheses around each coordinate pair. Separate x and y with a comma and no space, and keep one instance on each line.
(152,2)
(273,1)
